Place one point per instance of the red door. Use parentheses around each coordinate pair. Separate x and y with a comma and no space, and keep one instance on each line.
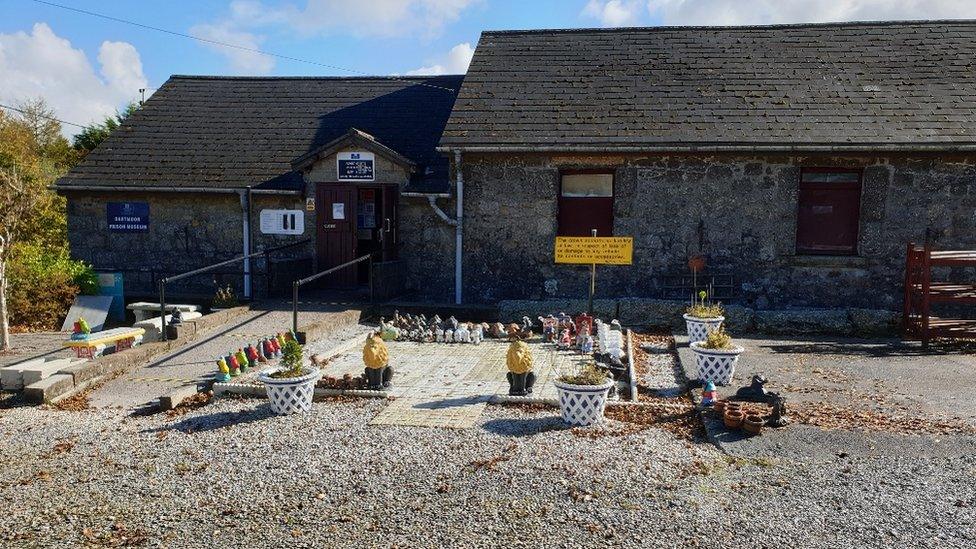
(336,232)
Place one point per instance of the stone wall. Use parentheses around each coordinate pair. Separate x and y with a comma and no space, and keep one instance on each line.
(740,212)
(186,231)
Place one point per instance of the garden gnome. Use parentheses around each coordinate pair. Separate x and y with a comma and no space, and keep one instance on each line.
(252,356)
(235,367)
(439,335)
(709,394)
(242,360)
(462,335)
(377,359)
(586,346)
(565,340)
(477,334)
(520,375)
(223,371)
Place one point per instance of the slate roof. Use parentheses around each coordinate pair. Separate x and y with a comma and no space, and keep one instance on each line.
(858,86)
(230,132)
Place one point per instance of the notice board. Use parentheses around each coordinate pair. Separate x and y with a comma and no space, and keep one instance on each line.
(595,250)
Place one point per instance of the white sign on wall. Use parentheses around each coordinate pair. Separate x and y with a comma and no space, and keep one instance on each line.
(355,166)
(282,222)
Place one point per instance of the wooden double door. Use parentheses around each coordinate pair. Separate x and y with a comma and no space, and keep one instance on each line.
(352,221)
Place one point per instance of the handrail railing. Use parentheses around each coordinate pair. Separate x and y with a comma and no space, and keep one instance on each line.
(163,281)
(299,283)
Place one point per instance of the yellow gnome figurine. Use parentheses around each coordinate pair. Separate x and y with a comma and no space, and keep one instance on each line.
(377,359)
(520,376)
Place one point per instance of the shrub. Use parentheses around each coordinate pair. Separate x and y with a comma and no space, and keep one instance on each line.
(42,285)
(291,359)
(718,339)
(704,308)
(590,374)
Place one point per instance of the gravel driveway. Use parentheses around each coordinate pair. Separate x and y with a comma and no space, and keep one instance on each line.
(230,474)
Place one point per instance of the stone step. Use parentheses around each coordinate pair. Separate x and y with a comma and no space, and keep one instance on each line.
(47,369)
(154,326)
(12,376)
(49,388)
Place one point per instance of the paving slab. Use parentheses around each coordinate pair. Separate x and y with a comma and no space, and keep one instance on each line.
(43,370)
(194,364)
(449,384)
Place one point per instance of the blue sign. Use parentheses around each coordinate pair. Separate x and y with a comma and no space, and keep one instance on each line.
(128,217)
(355,166)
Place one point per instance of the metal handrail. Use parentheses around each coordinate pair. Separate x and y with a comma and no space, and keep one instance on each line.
(163,281)
(299,283)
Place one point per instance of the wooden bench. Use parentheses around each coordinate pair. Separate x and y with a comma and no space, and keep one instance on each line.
(95,343)
(921,292)
(143,310)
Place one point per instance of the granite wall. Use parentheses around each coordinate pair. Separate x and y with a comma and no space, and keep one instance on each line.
(738,211)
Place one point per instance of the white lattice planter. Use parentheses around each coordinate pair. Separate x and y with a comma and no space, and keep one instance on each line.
(698,328)
(582,404)
(716,365)
(290,395)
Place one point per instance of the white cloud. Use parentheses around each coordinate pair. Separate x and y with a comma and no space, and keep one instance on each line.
(455,62)
(737,12)
(615,13)
(42,64)
(241,60)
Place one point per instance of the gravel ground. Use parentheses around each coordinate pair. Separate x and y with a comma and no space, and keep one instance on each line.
(230,474)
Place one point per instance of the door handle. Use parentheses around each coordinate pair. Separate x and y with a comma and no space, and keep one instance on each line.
(387,225)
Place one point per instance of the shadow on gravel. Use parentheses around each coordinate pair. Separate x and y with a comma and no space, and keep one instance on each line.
(218,420)
(524,427)
(449,403)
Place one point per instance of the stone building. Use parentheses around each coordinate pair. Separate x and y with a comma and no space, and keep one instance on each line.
(212,166)
(796,160)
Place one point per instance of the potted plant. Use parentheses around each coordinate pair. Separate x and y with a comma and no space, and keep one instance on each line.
(716,357)
(702,317)
(290,386)
(583,394)
(224,298)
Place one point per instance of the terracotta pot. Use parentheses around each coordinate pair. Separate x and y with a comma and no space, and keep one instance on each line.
(733,419)
(753,424)
(719,406)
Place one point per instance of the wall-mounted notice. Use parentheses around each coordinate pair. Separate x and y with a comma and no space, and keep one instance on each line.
(282,222)
(595,250)
(355,166)
(338,210)
(128,217)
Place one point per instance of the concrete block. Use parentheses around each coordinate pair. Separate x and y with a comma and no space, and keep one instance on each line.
(803,322)
(144,310)
(47,369)
(874,322)
(154,326)
(85,370)
(12,376)
(173,398)
(48,389)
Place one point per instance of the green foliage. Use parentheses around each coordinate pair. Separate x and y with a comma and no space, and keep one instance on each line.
(291,358)
(43,284)
(702,307)
(589,374)
(92,135)
(718,339)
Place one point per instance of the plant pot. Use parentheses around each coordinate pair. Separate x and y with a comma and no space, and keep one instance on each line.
(290,395)
(753,424)
(582,404)
(716,365)
(698,327)
(733,419)
(719,406)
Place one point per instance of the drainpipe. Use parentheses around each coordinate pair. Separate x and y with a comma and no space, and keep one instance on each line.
(246,215)
(458,227)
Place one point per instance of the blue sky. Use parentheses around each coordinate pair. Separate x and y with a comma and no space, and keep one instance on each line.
(86,67)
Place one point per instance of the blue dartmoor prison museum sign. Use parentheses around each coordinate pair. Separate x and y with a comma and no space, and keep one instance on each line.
(128,217)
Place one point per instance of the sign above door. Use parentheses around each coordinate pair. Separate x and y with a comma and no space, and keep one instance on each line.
(355,166)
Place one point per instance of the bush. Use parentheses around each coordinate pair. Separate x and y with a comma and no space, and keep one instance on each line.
(42,285)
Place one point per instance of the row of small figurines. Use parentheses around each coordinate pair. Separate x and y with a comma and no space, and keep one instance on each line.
(236,363)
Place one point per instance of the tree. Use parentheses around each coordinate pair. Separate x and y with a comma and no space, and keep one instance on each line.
(93,134)
(31,157)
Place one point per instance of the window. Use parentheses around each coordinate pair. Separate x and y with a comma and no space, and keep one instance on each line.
(585,203)
(829,211)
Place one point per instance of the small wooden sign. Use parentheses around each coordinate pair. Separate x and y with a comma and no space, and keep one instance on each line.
(595,250)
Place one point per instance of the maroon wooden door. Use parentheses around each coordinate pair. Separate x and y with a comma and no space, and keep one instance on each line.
(389,222)
(336,232)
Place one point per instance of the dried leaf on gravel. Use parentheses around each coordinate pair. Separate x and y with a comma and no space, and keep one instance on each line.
(82,400)
(198,400)
(828,416)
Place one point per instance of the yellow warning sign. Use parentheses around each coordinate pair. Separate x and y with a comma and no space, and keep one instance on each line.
(598,250)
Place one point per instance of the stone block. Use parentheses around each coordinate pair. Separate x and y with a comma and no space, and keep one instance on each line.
(12,376)
(46,369)
(874,322)
(85,371)
(48,389)
(153,326)
(173,398)
(514,310)
(803,322)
